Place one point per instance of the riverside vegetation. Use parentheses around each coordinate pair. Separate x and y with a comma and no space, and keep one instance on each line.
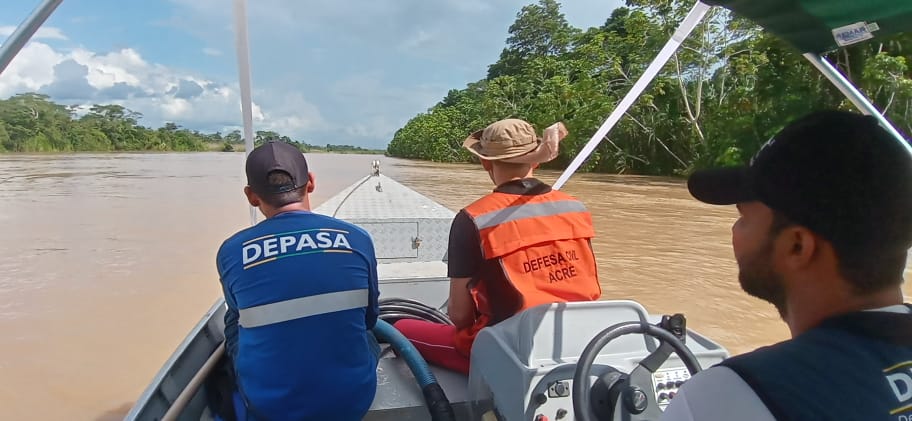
(31,122)
(727,90)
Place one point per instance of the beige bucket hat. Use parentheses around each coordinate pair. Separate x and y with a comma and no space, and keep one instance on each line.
(514,140)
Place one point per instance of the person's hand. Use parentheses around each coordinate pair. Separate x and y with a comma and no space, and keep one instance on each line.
(562,131)
(548,149)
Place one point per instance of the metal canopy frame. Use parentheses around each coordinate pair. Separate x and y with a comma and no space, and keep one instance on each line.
(693,18)
(243,58)
(27,28)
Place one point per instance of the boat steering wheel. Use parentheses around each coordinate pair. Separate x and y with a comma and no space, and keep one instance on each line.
(620,396)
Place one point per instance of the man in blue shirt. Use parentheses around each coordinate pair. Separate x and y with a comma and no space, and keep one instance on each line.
(302,296)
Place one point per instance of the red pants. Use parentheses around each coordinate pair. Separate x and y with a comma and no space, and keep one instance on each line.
(434,342)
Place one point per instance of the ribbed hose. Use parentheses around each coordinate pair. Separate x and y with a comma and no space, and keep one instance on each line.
(393,317)
(415,311)
(393,309)
(436,400)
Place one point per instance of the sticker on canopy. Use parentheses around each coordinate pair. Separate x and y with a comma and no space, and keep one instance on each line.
(854,33)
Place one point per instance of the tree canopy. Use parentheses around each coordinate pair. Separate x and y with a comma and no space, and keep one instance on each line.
(31,122)
(727,90)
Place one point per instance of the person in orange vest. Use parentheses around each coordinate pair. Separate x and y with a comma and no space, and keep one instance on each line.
(522,245)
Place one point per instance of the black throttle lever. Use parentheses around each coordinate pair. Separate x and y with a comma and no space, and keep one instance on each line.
(677,326)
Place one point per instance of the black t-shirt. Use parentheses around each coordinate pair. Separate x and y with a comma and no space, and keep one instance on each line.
(464,250)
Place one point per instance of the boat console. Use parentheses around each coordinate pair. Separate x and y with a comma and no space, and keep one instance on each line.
(523,368)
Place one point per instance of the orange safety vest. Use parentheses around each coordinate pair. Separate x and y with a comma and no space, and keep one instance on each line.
(542,243)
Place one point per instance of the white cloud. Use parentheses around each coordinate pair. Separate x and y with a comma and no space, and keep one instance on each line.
(417,39)
(301,115)
(82,77)
(31,69)
(44,32)
(212,52)
(369,97)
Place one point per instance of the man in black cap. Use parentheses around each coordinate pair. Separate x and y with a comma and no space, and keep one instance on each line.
(824,229)
(301,290)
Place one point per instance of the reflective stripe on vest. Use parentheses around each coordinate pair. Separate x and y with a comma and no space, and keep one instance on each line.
(508,222)
(283,311)
(531,210)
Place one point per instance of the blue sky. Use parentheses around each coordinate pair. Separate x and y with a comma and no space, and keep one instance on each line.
(342,72)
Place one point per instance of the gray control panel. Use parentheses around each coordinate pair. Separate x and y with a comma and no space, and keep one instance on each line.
(666,382)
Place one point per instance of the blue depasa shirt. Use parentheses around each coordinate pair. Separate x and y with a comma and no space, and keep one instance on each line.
(314,367)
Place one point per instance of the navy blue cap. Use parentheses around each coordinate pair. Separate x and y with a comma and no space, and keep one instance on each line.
(276,156)
(838,173)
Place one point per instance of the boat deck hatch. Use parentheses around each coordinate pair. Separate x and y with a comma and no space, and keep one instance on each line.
(404,225)
(394,240)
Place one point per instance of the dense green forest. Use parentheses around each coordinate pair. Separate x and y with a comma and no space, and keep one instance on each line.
(33,123)
(727,90)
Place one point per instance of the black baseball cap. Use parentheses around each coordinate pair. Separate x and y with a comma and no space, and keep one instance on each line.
(276,156)
(840,174)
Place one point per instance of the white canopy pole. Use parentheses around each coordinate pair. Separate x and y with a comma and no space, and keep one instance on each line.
(853,94)
(694,17)
(243,58)
(24,32)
